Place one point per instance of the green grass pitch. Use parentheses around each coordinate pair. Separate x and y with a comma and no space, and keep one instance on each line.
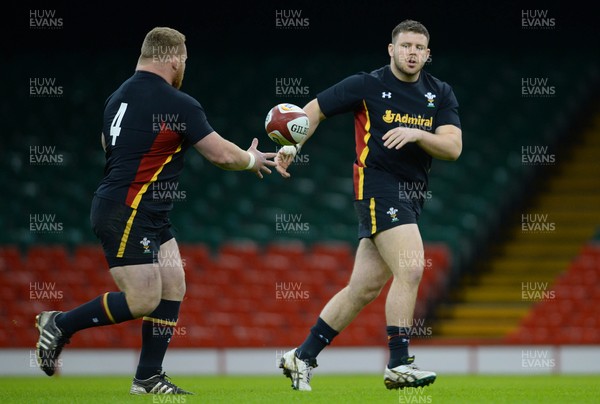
(326,389)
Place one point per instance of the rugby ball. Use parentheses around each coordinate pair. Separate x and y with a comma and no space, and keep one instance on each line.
(286,124)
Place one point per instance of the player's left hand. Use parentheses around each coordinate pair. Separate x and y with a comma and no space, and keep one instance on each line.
(285,157)
(398,137)
(261,162)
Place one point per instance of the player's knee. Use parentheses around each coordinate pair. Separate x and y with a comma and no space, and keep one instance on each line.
(177,292)
(174,288)
(411,275)
(363,294)
(142,305)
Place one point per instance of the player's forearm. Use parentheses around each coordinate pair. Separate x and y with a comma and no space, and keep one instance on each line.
(440,146)
(223,153)
(232,158)
(315,116)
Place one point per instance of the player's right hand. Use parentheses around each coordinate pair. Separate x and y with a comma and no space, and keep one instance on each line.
(262,162)
(285,157)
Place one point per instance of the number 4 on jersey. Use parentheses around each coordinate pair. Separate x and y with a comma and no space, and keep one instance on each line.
(115,126)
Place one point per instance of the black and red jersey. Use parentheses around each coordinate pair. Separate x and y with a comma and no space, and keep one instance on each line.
(148,126)
(380,102)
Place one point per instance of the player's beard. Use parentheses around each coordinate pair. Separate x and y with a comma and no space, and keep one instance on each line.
(401,63)
(178,79)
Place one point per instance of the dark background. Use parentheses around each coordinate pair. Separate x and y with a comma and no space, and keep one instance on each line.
(335,26)
(235,54)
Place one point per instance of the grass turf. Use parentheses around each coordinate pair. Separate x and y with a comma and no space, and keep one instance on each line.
(326,389)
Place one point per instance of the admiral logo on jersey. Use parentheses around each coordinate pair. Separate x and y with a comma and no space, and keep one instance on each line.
(408,120)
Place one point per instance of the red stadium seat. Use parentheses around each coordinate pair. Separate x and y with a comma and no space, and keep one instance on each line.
(439,254)
(199,254)
(570,316)
(278,263)
(92,251)
(293,249)
(248,251)
(343,252)
(10,258)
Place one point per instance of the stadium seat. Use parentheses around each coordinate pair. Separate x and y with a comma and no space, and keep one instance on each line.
(570,317)
(341,251)
(295,249)
(248,251)
(10,258)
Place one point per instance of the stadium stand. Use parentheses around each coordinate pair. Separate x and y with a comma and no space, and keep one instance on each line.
(226,223)
(543,242)
(240,295)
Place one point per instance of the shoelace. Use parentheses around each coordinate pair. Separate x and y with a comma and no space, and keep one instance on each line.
(163,376)
(166,380)
(61,340)
(308,373)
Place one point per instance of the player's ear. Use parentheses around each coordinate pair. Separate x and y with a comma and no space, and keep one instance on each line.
(175,63)
(391,49)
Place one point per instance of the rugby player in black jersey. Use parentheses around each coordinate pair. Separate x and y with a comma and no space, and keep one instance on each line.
(403,118)
(148,126)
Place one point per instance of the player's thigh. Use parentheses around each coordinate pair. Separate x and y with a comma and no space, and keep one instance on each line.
(138,279)
(370,272)
(171,270)
(401,247)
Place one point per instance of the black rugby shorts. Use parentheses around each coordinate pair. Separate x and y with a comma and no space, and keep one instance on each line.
(128,236)
(379,214)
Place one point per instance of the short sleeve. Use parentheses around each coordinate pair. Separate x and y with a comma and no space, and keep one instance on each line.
(197,126)
(447,113)
(344,96)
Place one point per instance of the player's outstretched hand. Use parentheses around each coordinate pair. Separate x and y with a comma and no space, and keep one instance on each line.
(284,158)
(262,162)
